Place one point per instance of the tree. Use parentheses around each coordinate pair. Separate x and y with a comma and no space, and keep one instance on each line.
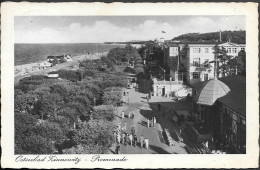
(119,54)
(112,96)
(34,137)
(93,137)
(222,60)
(105,112)
(241,61)
(129,70)
(48,106)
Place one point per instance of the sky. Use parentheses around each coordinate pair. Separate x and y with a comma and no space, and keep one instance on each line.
(98,29)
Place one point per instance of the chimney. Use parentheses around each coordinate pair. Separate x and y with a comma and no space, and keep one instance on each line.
(220,35)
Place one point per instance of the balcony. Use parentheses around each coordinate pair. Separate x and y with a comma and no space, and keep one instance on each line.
(198,67)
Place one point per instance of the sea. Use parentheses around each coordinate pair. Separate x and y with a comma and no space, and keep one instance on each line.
(32,53)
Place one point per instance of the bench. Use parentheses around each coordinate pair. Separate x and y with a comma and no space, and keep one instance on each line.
(178,136)
(169,138)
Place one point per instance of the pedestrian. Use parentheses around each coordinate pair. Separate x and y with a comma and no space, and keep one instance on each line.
(164,113)
(129,114)
(180,132)
(119,126)
(148,122)
(119,138)
(146,141)
(135,140)
(154,121)
(142,141)
(123,115)
(125,125)
(159,106)
(115,136)
(133,115)
(133,130)
(127,139)
(118,149)
(131,139)
(123,138)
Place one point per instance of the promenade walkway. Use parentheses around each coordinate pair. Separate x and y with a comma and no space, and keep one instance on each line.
(144,110)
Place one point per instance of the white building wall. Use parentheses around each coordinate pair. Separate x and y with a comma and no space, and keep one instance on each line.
(204,52)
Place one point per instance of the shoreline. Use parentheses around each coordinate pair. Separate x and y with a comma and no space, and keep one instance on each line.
(25,70)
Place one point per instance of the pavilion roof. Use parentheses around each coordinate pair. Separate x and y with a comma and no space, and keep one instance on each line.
(211,91)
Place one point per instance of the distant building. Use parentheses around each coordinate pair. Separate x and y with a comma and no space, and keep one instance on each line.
(44,65)
(137,45)
(219,106)
(166,88)
(60,58)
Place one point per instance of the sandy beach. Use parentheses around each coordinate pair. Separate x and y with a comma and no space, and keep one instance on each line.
(26,70)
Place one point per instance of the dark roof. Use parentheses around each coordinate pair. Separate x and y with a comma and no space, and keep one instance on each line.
(53,57)
(236,98)
(198,85)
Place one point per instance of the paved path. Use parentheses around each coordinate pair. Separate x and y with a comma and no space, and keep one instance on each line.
(143,110)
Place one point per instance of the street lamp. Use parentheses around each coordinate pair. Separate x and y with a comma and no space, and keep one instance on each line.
(164,75)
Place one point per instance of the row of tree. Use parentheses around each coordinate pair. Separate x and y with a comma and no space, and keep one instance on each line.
(61,115)
(232,36)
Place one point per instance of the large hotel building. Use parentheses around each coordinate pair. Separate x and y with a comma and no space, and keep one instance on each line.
(189,61)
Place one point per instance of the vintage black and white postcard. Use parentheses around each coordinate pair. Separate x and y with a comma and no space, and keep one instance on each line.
(162,85)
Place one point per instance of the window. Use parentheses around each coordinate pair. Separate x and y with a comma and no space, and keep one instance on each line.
(206,50)
(196,62)
(234,50)
(206,77)
(196,50)
(196,75)
(229,50)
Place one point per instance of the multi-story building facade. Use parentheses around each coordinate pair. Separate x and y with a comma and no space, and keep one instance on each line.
(191,61)
(200,54)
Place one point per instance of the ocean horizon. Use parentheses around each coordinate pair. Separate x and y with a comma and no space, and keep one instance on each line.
(25,53)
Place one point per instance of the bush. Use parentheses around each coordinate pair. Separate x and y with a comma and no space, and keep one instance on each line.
(105,112)
(129,70)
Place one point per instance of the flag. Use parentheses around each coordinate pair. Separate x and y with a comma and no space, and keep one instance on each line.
(163,32)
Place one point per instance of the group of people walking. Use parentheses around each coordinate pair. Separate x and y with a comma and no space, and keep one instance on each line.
(129,115)
(121,137)
(152,122)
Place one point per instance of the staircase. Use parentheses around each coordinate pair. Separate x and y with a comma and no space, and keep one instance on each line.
(196,149)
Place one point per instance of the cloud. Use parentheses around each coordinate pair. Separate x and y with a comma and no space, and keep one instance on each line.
(103,30)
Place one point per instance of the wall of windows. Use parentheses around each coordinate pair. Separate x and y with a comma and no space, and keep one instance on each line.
(196,50)
(196,75)
(233,128)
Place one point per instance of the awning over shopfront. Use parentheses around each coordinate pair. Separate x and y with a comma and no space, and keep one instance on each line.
(211,91)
